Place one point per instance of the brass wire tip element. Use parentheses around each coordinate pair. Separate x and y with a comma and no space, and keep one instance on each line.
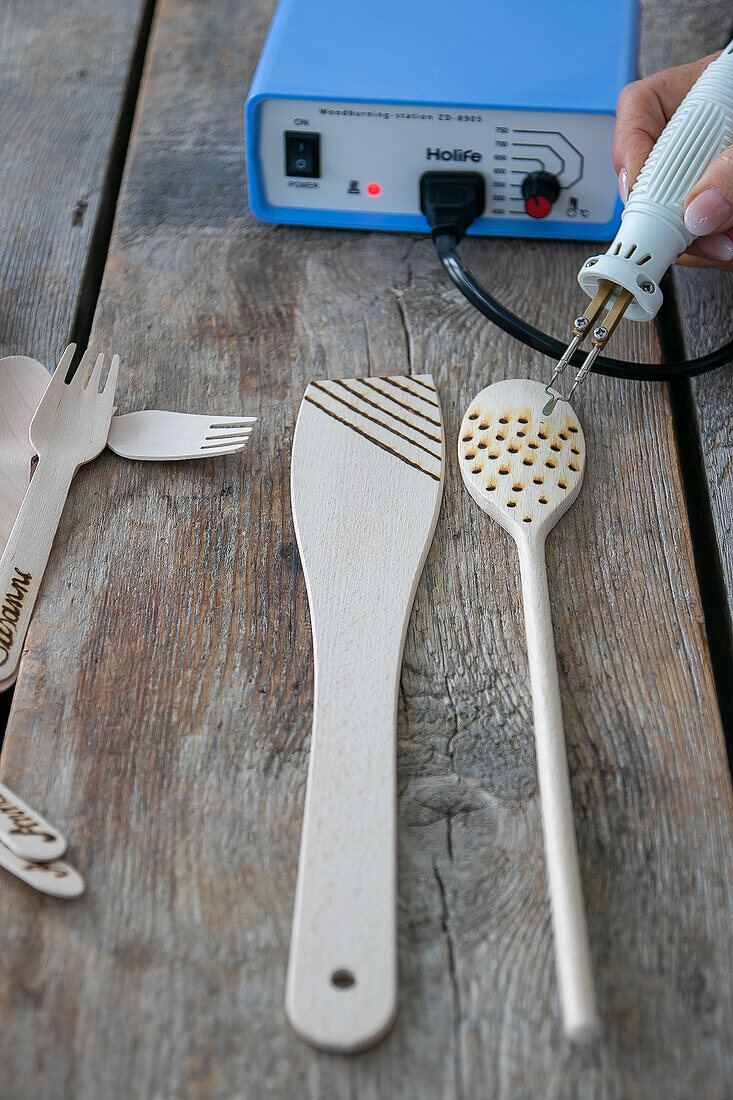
(619,299)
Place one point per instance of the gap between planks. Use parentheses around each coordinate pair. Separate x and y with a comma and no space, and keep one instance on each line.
(706,552)
(96,260)
(91,280)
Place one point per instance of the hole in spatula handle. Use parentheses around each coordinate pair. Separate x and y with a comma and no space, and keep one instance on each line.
(343,979)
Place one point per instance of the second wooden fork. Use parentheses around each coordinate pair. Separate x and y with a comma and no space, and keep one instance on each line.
(70,427)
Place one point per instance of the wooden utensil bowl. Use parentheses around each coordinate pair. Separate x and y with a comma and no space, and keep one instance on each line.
(532,465)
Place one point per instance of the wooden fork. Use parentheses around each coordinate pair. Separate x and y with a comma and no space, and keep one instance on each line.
(69,428)
(156,436)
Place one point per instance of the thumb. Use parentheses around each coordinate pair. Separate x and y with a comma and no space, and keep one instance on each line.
(709,209)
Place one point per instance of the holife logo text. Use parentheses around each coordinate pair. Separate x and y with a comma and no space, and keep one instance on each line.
(453,154)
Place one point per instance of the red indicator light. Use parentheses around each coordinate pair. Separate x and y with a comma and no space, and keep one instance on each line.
(373,189)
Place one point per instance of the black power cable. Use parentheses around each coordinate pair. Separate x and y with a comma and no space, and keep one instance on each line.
(451,201)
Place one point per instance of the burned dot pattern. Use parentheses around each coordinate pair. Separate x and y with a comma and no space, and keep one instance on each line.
(517,454)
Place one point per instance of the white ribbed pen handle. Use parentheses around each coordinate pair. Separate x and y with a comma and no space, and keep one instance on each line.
(652,231)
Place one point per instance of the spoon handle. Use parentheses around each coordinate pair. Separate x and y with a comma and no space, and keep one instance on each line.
(24,831)
(58,879)
(575,979)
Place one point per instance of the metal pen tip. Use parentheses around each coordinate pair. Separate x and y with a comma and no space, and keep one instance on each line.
(554,397)
(608,292)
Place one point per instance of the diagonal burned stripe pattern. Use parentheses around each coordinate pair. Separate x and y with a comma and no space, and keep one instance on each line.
(400,415)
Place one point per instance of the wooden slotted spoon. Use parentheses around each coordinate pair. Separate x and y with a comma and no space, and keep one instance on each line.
(525,469)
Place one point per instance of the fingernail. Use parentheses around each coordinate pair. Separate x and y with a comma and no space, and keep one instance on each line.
(623,185)
(707,212)
(719,246)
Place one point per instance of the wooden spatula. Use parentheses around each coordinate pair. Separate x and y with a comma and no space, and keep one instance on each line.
(367,480)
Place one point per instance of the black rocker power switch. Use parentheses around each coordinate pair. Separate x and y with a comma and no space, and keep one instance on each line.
(302,154)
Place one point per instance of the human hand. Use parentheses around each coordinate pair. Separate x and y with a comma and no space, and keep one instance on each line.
(644,108)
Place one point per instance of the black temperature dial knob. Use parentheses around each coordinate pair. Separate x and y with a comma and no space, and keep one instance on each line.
(539,191)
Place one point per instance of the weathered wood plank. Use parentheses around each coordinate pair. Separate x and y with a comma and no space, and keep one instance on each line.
(63,74)
(705,298)
(164,707)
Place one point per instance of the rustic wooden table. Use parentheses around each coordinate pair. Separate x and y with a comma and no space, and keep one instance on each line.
(162,714)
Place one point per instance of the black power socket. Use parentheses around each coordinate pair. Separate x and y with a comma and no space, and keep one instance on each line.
(451,201)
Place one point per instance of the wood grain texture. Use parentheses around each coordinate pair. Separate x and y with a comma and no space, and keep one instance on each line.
(163,709)
(63,71)
(705,302)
